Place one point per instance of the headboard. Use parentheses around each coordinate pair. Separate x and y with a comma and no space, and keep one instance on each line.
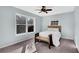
(55,26)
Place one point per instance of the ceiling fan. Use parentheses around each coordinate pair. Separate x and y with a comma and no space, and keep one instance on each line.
(44,9)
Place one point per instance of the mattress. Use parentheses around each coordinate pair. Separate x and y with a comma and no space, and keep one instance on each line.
(55,36)
(46,33)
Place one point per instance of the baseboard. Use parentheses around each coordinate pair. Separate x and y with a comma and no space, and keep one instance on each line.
(11,43)
(67,37)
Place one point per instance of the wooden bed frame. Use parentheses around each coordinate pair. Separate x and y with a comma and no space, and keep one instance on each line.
(50,43)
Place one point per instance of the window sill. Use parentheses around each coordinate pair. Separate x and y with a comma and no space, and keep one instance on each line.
(25,33)
(20,34)
(30,32)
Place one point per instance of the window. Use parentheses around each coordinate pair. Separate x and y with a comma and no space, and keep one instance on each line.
(30,25)
(20,24)
(54,22)
(24,24)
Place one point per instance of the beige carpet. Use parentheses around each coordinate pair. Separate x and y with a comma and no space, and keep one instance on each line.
(66,46)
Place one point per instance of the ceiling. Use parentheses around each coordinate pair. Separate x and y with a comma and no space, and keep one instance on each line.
(55,9)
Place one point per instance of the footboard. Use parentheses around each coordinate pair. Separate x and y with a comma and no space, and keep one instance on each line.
(50,40)
(39,39)
(36,35)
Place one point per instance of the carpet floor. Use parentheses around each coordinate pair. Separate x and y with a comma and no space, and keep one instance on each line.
(66,46)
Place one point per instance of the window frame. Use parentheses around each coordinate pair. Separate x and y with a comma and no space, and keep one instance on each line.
(27,18)
(34,22)
(21,24)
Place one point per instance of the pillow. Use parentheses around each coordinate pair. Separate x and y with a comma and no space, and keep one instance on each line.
(53,29)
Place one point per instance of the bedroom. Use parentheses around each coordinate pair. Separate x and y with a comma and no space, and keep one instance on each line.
(67,17)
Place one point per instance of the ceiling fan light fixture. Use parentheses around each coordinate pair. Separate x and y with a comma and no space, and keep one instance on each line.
(44,9)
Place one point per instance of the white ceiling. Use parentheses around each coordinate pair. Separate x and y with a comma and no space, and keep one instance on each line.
(55,9)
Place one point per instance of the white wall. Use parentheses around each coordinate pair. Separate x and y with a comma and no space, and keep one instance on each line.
(66,20)
(8,26)
(77,27)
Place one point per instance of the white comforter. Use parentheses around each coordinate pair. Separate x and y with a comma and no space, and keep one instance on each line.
(55,36)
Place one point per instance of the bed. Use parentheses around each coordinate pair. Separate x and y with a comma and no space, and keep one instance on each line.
(51,36)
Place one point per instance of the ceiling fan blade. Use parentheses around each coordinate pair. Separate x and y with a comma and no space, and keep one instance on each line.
(48,9)
(45,12)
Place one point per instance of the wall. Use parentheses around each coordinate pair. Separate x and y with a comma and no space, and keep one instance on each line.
(8,26)
(66,20)
(77,27)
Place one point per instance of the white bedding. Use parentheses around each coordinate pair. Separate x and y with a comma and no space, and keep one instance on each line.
(55,36)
